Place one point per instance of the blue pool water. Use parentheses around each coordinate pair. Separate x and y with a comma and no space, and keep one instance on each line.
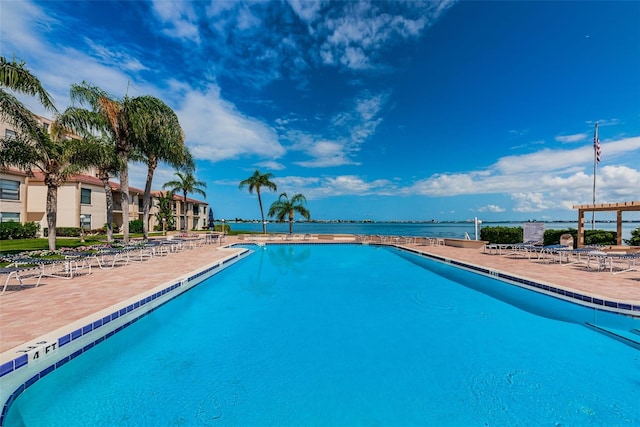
(335,335)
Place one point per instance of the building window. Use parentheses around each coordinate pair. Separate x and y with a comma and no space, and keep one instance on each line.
(85,196)
(9,189)
(8,133)
(196,210)
(9,217)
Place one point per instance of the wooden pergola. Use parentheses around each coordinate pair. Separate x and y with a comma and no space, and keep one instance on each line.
(605,207)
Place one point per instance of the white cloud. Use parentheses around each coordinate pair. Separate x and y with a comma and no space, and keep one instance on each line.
(544,180)
(271,165)
(491,208)
(332,186)
(217,131)
(307,10)
(179,19)
(554,160)
(530,202)
(572,138)
(352,128)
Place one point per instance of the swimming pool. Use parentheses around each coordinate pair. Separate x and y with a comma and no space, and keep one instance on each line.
(348,335)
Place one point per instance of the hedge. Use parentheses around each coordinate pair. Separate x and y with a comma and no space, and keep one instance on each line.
(16,230)
(507,235)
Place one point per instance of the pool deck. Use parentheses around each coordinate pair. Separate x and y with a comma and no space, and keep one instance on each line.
(28,313)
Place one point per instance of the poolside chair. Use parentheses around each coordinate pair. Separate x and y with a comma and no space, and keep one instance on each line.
(20,273)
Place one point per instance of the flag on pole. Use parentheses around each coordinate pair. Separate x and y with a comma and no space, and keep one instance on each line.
(596,144)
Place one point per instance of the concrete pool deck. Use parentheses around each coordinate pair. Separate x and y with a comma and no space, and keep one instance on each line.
(28,313)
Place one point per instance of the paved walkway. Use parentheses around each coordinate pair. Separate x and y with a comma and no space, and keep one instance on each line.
(29,313)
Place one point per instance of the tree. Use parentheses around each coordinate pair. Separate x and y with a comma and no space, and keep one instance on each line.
(186,183)
(14,76)
(164,214)
(101,153)
(161,139)
(91,123)
(256,182)
(54,154)
(635,238)
(285,207)
(126,121)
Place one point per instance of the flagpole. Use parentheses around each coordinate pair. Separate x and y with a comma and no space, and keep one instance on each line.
(596,159)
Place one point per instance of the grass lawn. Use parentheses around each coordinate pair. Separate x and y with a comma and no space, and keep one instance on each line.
(8,247)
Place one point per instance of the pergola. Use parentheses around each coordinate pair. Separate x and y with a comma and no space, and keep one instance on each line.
(605,207)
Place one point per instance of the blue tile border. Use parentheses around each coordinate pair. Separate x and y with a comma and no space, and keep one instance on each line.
(12,365)
(575,297)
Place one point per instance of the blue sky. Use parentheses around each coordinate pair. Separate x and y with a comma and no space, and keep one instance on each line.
(373,110)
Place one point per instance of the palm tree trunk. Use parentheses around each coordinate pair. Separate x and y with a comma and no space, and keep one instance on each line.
(264,226)
(291,222)
(184,210)
(108,194)
(146,201)
(124,189)
(52,203)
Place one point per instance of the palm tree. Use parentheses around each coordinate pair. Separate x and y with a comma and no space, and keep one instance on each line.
(162,139)
(256,182)
(126,121)
(33,148)
(186,183)
(93,127)
(164,213)
(102,157)
(55,155)
(14,76)
(285,207)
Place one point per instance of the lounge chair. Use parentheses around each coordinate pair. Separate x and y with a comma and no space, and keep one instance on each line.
(20,273)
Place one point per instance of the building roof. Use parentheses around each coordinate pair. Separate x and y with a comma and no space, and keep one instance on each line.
(178,197)
(38,176)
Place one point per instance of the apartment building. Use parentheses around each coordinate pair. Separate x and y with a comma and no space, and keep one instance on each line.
(82,199)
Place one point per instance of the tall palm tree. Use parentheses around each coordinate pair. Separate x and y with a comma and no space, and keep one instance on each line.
(161,139)
(285,207)
(14,76)
(101,155)
(33,148)
(256,182)
(93,127)
(126,121)
(186,183)
(55,155)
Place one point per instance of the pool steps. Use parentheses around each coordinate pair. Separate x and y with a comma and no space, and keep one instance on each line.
(630,338)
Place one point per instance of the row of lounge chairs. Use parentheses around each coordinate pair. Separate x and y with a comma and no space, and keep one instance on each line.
(23,268)
(591,257)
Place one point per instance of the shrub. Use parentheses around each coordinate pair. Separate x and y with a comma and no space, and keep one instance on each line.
(635,238)
(600,237)
(218,227)
(114,226)
(16,230)
(135,226)
(591,237)
(31,230)
(552,237)
(501,234)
